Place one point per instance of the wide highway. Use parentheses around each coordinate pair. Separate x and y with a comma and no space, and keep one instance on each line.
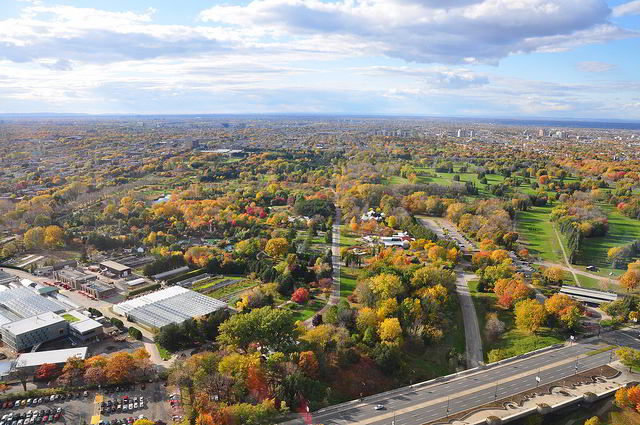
(422,404)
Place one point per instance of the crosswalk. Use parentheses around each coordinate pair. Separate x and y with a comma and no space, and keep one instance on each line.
(95,418)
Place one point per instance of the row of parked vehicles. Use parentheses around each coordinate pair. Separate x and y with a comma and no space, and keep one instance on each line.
(28,402)
(32,417)
(123,404)
(124,421)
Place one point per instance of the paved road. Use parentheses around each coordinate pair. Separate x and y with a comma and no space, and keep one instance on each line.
(417,405)
(472,337)
(335,259)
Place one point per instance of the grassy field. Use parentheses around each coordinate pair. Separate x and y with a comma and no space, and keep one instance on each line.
(537,235)
(69,318)
(512,342)
(212,282)
(348,276)
(347,237)
(622,230)
(234,287)
(305,311)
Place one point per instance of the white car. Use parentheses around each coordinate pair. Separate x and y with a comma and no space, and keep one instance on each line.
(379,407)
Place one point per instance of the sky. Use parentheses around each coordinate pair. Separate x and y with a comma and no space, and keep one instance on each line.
(475,58)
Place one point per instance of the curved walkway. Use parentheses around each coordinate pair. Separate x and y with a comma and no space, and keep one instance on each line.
(335,260)
(566,259)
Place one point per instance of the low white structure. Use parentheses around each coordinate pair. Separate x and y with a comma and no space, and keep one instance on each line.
(31,361)
(84,328)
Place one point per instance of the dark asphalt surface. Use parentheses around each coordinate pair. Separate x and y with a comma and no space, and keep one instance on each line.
(492,378)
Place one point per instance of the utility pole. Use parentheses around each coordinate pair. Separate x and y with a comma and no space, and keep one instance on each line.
(576,365)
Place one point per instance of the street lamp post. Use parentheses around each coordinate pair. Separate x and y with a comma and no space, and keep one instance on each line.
(576,365)
(448,399)
(538,378)
(572,339)
(495,395)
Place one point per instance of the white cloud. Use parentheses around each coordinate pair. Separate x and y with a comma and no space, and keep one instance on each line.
(631,8)
(472,31)
(595,66)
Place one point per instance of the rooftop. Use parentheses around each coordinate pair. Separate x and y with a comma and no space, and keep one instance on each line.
(24,302)
(115,266)
(84,323)
(52,356)
(31,323)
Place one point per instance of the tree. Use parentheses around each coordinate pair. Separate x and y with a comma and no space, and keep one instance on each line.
(47,371)
(629,357)
(22,375)
(34,238)
(300,296)
(367,318)
(615,254)
(319,336)
(530,316)
(386,285)
(277,247)
(390,330)
(136,333)
(143,422)
(95,376)
(308,363)
(53,236)
(353,224)
(566,310)
(594,420)
(271,328)
(119,367)
(392,221)
(631,278)
(73,369)
(554,274)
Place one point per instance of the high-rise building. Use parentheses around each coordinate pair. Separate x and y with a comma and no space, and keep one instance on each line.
(459,133)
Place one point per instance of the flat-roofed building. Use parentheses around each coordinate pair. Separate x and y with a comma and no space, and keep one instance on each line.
(74,277)
(32,361)
(99,290)
(83,328)
(7,278)
(117,269)
(24,334)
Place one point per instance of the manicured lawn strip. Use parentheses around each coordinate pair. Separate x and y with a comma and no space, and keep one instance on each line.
(348,281)
(537,235)
(164,353)
(347,237)
(234,287)
(512,342)
(397,180)
(305,311)
(589,282)
(212,282)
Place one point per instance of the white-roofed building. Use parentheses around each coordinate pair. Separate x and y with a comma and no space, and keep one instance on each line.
(24,334)
(83,328)
(31,361)
(171,305)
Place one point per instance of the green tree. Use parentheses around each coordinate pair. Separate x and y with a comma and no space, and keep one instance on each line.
(273,329)
(629,357)
(34,238)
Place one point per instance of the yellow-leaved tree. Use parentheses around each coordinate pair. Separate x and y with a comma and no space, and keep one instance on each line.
(390,330)
(530,316)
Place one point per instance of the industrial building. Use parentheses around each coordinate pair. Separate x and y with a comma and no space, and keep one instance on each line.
(32,361)
(6,278)
(83,328)
(19,302)
(171,305)
(24,334)
(116,269)
(74,277)
(99,290)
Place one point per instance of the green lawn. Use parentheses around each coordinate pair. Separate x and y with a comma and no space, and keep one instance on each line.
(305,311)
(537,235)
(347,237)
(348,277)
(397,180)
(592,283)
(622,230)
(211,282)
(69,318)
(234,287)
(512,342)
(164,353)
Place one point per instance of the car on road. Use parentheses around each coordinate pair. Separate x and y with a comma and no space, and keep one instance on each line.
(379,407)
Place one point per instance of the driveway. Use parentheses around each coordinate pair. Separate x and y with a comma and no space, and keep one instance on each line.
(472,336)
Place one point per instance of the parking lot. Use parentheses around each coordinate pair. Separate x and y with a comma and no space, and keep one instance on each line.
(76,408)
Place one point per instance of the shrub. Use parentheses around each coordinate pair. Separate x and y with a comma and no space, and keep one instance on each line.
(136,333)
(117,322)
(301,295)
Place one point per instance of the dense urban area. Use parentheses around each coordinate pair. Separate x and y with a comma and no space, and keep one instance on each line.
(253,270)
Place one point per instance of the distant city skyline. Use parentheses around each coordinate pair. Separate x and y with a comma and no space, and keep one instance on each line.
(464,58)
